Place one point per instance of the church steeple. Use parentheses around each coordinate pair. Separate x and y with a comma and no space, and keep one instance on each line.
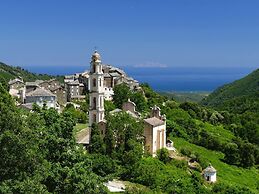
(96,90)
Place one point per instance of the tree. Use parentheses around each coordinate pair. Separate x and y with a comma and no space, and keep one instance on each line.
(108,106)
(9,118)
(121,94)
(140,101)
(39,153)
(247,155)
(109,140)
(96,141)
(103,165)
(4,83)
(123,139)
(163,155)
(78,115)
(231,154)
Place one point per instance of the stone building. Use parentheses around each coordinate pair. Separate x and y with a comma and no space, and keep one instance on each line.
(51,84)
(155,131)
(69,78)
(129,107)
(75,90)
(16,88)
(61,94)
(41,96)
(16,83)
(30,86)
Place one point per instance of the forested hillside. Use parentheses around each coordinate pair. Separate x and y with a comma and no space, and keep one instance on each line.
(238,96)
(40,155)
(10,72)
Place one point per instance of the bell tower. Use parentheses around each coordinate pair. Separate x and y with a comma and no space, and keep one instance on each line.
(96,90)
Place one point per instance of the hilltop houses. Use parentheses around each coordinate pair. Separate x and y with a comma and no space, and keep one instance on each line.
(40,92)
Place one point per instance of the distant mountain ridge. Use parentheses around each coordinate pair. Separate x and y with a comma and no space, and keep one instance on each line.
(240,95)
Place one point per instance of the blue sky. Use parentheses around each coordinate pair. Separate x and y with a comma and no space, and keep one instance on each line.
(132,33)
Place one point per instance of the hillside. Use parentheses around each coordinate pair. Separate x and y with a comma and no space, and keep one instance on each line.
(200,134)
(239,96)
(226,174)
(186,96)
(8,72)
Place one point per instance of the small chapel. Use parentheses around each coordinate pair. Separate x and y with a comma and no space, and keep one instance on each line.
(155,125)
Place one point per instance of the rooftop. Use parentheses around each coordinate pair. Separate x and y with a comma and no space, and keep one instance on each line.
(40,92)
(14,81)
(154,121)
(210,168)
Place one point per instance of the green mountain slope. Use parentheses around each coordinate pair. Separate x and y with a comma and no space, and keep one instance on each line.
(10,72)
(226,174)
(239,96)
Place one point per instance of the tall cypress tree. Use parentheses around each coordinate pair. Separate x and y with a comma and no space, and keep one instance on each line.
(96,141)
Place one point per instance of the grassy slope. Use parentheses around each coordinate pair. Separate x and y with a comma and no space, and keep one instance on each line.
(79,126)
(247,86)
(186,96)
(218,131)
(225,173)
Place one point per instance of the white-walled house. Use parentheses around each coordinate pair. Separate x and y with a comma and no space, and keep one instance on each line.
(41,96)
(210,174)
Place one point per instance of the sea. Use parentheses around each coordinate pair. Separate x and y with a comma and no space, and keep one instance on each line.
(170,79)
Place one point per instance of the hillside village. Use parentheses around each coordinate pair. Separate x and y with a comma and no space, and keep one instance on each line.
(99,82)
(56,94)
(53,94)
(199,140)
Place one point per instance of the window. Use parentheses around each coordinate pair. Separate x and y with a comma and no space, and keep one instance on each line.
(94,82)
(101,102)
(94,102)
(94,68)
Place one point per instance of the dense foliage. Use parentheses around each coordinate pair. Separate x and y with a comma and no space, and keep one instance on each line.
(122,93)
(239,96)
(39,153)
